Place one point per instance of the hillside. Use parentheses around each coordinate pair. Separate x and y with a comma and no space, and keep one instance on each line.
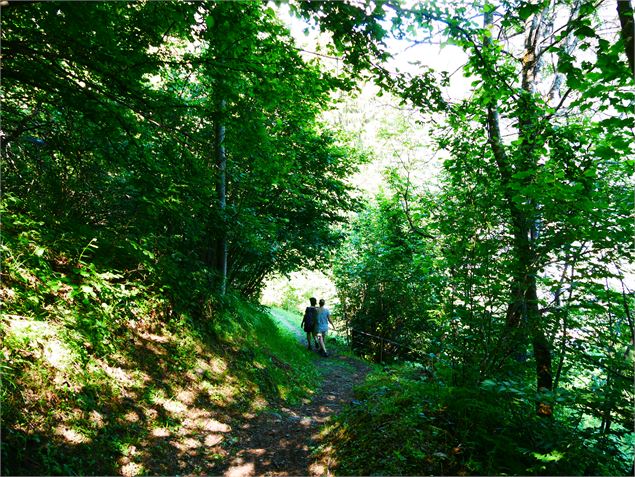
(100,374)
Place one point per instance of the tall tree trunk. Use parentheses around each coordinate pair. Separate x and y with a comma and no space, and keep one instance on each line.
(523,312)
(625,13)
(529,131)
(221,194)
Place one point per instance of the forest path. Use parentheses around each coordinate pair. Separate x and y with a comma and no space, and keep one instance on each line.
(280,443)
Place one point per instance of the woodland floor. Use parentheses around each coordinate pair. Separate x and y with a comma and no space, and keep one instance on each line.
(281,442)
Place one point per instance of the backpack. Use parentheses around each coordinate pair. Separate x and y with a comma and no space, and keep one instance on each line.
(310,318)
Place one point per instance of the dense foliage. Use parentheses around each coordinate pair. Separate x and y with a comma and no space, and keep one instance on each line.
(111,114)
(113,213)
(515,268)
(404,423)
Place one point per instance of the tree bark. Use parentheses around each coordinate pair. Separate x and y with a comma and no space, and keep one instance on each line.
(527,219)
(221,194)
(523,312)
(625,13)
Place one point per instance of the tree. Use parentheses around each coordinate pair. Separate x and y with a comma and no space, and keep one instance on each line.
(114,126)
(534,158)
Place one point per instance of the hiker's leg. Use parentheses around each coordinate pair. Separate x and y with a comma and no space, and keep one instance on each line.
(322,341)
(308,339)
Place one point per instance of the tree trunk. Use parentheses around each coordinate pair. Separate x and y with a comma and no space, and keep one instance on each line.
(523,312)
(625,13)
(221,195)
(526,234)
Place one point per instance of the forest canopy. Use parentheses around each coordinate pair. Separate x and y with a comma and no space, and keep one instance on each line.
(111,119)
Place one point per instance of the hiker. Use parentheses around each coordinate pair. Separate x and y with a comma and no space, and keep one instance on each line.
(309,323)
(323,320)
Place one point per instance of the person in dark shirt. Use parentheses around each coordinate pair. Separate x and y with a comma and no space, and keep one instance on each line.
(309,323)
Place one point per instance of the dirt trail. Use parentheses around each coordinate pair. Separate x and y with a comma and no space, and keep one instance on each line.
(281,442)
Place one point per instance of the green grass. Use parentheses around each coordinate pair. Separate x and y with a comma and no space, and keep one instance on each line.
(68,410)
(102,375)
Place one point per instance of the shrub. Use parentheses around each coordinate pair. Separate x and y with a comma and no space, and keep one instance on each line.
(402,423)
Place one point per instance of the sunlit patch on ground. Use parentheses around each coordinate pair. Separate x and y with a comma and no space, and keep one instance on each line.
(29,330)
(215,426)
(71,436)
(160,432)
(152,337)
(218,365)
(174,407)
(188,445)
(241,470)
(58,355)
(213,439)
(131,416)
(222,393)
(129,412)
(7,294)
(96,419)
(186,397)
(131,469)
(117,374)
(150,414)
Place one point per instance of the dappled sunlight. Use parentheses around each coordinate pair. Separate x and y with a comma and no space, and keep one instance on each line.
(155,338)
(131,416)
(306,421)
(317,468)
(186,396)
(58,355)
(29,329)
(146,408)
(96,419)
(71,436)
(241,470)
(160,432)
(213,425)
(174,407)
(218,365)
(280,442)
(213,439)
(118,375)
(7,294)
(183,424)
(188,445)
(131,469)
(259,403)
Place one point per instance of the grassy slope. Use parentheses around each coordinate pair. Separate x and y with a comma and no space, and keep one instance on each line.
(101,376)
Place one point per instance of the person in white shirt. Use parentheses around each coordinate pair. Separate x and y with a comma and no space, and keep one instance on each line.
(323,320)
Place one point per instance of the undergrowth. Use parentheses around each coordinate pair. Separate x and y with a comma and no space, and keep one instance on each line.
(404,423)
(101,375)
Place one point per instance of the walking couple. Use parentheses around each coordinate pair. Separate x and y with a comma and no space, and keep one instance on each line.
(316,324)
